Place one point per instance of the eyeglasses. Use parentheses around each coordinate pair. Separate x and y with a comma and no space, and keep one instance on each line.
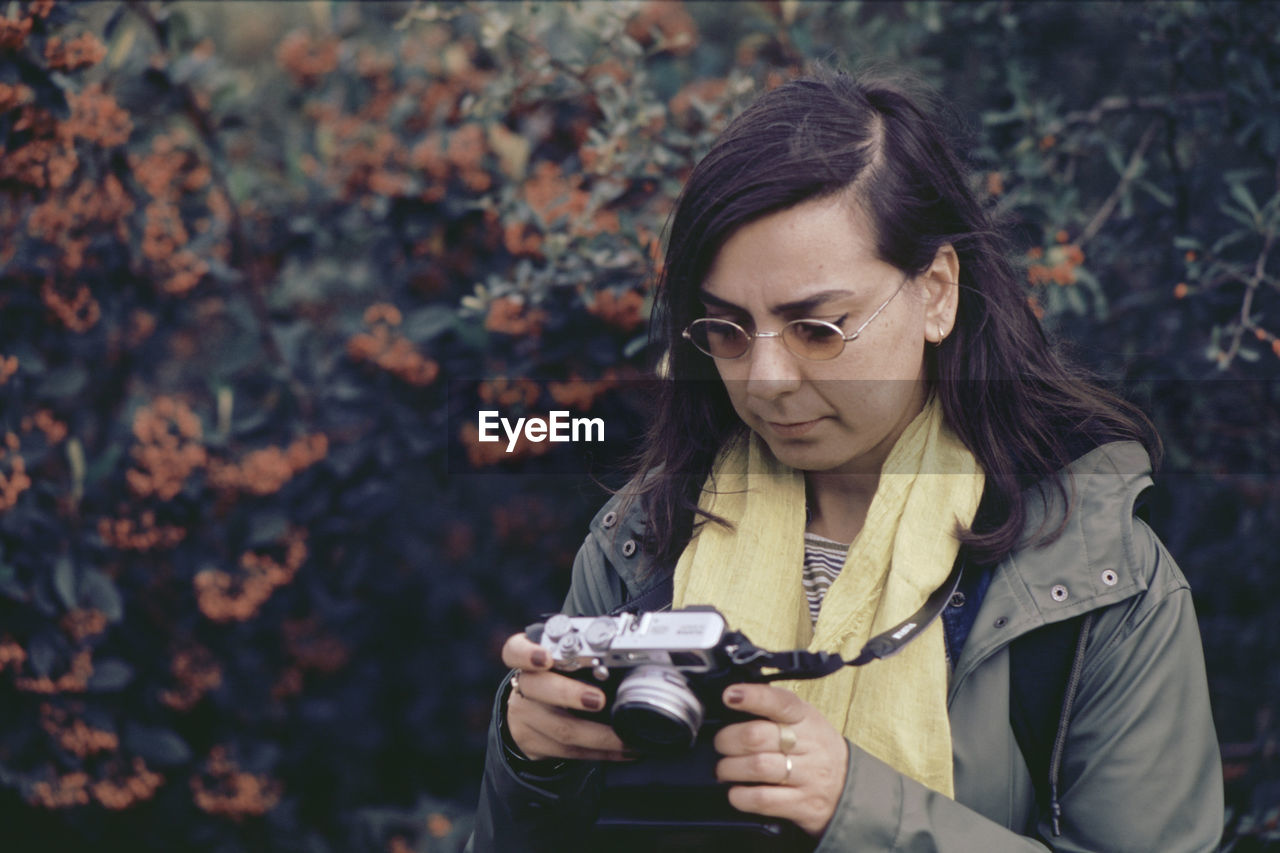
(813,340)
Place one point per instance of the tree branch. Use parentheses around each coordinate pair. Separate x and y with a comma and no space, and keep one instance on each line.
(1122,104)
(1127,177)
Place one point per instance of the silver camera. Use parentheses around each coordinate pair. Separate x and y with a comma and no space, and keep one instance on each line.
(663,672)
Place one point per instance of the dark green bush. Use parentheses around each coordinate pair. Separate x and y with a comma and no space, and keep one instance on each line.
(261,265)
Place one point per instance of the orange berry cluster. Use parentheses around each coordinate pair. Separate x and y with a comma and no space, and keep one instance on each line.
(74,680)
(11,654)
(168,172)
(671,21)
(224,598)
(508,315)
(438,825)
(552,195)
(121,792)
(623,311)
(385,347)
(78,311)
(13,34)
(113,792)
(82,623)
(509,392)
(76,736)
(196,673)
(71,789)
(54,430)
(168,448)
(307,59)
(1268,338)
(15,481)
(230,791)
(312,648)
(98,118)
(144,535)
(78,53)
(581,394)
(265,471)
(1059,263)
(14,95)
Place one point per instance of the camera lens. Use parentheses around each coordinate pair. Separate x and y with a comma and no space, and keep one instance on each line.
(655,709)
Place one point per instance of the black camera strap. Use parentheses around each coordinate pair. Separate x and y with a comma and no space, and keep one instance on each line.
(803,664)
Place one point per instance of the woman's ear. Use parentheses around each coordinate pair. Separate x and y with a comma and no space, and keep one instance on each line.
(941,293)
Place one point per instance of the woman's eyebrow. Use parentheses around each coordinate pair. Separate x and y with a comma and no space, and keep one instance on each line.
(796,306)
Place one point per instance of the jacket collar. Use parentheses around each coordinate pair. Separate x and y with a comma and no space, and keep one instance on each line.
(1093,563)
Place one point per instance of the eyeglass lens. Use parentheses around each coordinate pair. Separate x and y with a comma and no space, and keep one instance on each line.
(810,339)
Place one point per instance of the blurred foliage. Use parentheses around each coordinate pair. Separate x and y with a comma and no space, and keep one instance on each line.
(262,263)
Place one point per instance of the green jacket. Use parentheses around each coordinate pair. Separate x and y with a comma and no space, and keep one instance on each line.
(1141,769)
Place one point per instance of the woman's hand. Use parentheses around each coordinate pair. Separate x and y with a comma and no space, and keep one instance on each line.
(538,709)
(806,790)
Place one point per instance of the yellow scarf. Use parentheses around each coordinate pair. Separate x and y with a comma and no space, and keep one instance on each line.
(896,709)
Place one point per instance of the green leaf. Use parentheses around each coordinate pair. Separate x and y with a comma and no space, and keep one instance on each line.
(64,382)
(109,675)
(99,592)
(160,747)
(1157,193)
(426,323)
(266,528)
(1241,193)
(64,581)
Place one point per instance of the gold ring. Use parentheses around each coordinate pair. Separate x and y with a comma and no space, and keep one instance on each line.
(786,738)
(786,777)
(515,684)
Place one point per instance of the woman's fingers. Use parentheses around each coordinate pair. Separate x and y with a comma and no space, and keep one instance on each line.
(539,709)
(764,768)
(552,688)
(519,652)
(544,731)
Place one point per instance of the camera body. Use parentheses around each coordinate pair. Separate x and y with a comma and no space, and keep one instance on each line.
(662,672)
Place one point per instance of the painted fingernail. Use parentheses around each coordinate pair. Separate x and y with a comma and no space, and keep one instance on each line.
(592,701)
(733,696)
(539,657)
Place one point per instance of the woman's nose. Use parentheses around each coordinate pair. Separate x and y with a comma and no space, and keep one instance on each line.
(772,369)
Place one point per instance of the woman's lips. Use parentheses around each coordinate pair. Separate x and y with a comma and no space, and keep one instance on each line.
(796,429)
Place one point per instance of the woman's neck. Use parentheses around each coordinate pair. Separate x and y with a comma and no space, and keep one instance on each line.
(838,503)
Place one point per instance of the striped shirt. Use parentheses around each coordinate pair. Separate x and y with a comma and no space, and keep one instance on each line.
(823,559)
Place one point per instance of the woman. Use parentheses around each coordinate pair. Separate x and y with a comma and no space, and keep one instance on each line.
(861,400)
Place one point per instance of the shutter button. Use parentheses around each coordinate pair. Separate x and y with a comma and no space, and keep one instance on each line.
(610,518)
(628,547)
(1059,592)
(1109,577)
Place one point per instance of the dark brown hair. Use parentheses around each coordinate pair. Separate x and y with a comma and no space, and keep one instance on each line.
(1012,400)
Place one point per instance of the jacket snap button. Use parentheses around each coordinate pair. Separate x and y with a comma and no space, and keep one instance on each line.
(1109,577)
(1001,621)
(957,600)
(628,547)
(1059,592)
(610,518)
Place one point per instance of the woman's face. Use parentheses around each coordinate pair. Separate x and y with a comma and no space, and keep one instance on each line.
(817,260)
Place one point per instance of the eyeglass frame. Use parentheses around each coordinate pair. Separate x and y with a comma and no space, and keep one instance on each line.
(751,336)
